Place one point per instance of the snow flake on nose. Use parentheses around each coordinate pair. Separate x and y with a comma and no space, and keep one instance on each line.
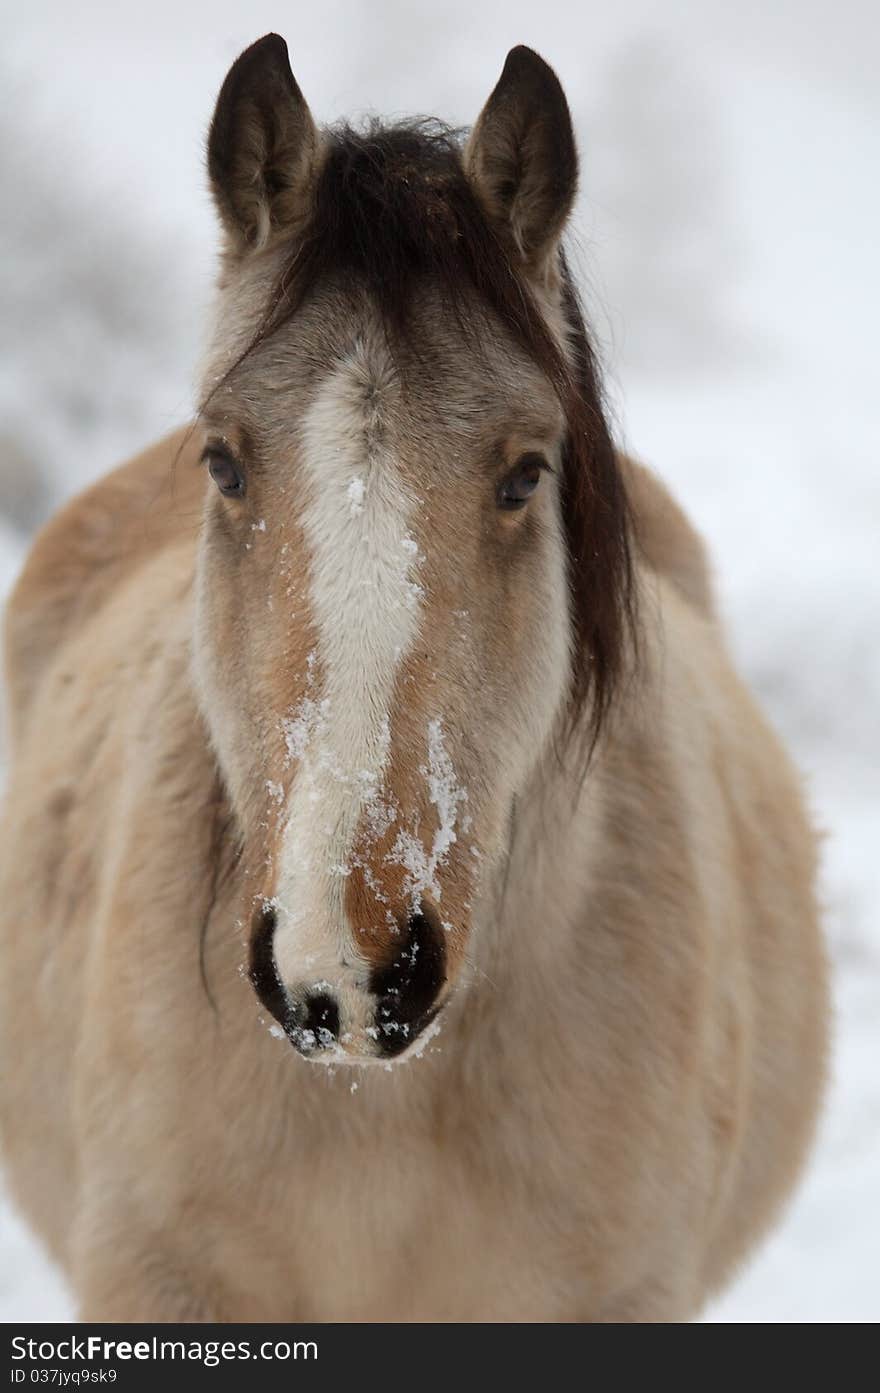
(275,791)
(303,730)
(445,793)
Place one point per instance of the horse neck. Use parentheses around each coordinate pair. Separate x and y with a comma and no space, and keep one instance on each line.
(527,929)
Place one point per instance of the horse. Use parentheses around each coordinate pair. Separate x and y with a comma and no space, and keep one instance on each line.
(406,912)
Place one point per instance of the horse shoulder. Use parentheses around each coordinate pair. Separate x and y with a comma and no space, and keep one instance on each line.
(719,839)
(667,539)
(89,548)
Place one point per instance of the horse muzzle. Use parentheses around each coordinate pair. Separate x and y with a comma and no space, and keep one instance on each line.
(351,1015)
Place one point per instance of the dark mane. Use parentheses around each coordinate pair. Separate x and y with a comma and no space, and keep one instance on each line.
(393,205)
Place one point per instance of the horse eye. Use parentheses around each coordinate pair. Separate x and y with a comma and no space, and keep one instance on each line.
(519,485)
(225,472)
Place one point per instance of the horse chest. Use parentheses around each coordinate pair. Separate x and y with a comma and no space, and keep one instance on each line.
(356,1209)
(410,1236)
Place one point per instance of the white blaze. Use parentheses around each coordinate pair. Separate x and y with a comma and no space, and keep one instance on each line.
(365,603)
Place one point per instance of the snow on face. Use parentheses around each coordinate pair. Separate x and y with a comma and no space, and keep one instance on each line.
(445,794)
(366,599)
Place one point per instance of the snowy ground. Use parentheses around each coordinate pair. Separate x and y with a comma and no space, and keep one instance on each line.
(728,239)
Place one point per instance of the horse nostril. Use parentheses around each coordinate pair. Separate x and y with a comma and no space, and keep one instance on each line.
(314,1025)
(311,1024)
(321,1019)
(408,987)
(262,969)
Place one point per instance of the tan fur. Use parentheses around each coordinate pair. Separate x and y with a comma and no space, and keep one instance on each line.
(667,540)
(605,1144)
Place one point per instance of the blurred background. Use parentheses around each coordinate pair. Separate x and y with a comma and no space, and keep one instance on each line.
(726,241)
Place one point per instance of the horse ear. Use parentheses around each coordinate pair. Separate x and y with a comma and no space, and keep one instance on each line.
(261,147)
(521,157)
